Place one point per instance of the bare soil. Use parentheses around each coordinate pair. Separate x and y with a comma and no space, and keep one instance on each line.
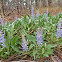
(11,15)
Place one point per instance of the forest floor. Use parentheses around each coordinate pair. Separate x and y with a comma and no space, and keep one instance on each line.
(10,15)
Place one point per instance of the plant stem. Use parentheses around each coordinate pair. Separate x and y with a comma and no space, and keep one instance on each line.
(41,56)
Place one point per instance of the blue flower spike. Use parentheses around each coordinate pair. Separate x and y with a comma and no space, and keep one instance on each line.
(16,18)
(32,13)
(2,39)
(2,23)
(37,14)
(47,15)
(59,29)
(39,37)
(24,44)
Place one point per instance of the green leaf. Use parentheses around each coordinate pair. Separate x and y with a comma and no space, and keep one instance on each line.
(48,46)
(24,24)
(7,42)
(49,51)
(46,55)
(20,43)
(7,53)
(31,46)
(34,54)
(31,38)
(24,57)
(52,46)
(1,49)
(42,50)
(23,31)
(13,41)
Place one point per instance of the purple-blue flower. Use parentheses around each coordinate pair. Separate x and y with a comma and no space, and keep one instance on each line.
(24,44)
(61,33)
(59,29)
(32,13)
(47,15)
(39,37)
(16,18)
(2,23)
(37,14)
(2,39)
(58,33)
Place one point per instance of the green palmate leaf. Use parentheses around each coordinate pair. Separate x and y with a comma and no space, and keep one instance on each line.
(28,16)
(4,55)
(48,46)
(7,53)
(1,49)
(16,48)
(24,57)
(23,23)
(13,41)
(51,46)
(13,24)
(29,21)
(7,42)
(20,43)
(49,51)
(46,55)
(31,46)
(31,38)
(22,31)
(34,52)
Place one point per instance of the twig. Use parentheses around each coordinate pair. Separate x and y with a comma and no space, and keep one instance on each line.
(52,58)
(11,57)
(29,33)
(58,54)
(22,54)
(10,13)
(32,31)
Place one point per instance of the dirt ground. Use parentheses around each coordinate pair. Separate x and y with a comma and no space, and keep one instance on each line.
(11,15)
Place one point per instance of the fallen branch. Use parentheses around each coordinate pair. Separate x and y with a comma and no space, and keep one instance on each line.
(11,57)
(52,58)
(58,54)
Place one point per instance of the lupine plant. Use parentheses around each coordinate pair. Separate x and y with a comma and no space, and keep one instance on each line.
(32,13)
(28,37)
(47,14)
(2,39)
(1,21)
(59,29)
(37,14)
(39,37)
(24,44)
(16,18)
